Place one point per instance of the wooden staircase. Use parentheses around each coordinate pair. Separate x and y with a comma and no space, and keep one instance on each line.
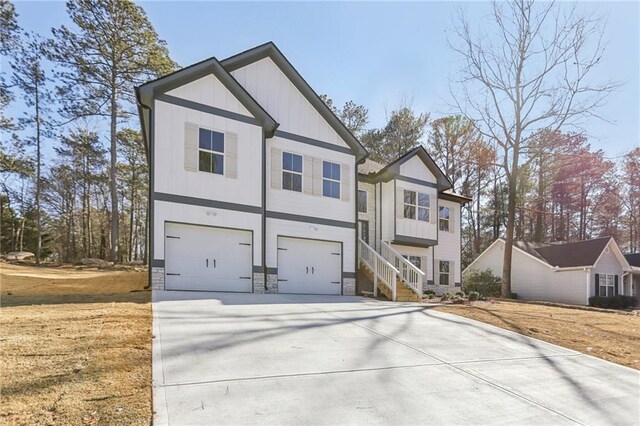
(386,278)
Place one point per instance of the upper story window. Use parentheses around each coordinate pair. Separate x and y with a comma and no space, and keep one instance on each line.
(330,179)
(362,201)
(444,219)
(444,269)
(211,151)
(292,172)
(416,205)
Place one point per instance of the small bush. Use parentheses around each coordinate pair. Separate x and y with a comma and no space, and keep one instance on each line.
(514,295)
(473,296)
(484,282)
(427,292)
(613,302)
(430,296)
(460,294)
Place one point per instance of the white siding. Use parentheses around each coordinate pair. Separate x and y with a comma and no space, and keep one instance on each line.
(196,215)
(210,91)
(286,228)
(413,227)
(533,280)
(370,215)
(448,247)
(170,175)
(284,102)
(607,264)
(282,200)
(415,168)
(388,210)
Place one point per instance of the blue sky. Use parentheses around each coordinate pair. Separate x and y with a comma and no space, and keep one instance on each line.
(376,54)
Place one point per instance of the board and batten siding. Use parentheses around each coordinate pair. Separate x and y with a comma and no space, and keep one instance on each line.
(448,247)
(370,215)
(170,172)
(197,215)
(387,218)
(416,169)
(310,202)
(413,227)
(210,91)
(277,94)
(532,280)
(607,264)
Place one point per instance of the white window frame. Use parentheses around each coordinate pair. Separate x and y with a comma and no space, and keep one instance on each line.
(366,200)
(417,206)
(441,274)
(211,151)
(446,220)
(293,172)
(331,179)
(608,283)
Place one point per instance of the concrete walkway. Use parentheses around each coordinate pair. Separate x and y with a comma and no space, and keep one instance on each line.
(221,358)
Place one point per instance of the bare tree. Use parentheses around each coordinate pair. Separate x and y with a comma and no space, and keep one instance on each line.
(527,68)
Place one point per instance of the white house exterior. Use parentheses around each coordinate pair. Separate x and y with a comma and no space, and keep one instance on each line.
(566,273)
(254,186)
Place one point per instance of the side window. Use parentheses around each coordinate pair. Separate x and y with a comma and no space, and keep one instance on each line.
(330,179)
(210,151)
(292,172)
(409,204)
(444,219)
(362,201)
(444,272)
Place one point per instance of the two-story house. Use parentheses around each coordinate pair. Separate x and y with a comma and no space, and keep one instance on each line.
(255,187)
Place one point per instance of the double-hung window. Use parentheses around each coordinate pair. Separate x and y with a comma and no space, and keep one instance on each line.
(444,270)
(292,172)
(330,179)
(443,219)
(211,151)
(362,201)
(606,285)
(416,205)
(414,260)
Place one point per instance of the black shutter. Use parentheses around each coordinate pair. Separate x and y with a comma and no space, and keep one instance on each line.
(597,292)
(616,285)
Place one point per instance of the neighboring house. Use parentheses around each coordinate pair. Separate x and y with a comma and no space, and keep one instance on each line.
(560,272)
(254,187)
(632,279)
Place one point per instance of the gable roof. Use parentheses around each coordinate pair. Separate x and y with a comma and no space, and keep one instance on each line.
(271,51)
(579,253)
(146,92)
(633,259)
(393,169)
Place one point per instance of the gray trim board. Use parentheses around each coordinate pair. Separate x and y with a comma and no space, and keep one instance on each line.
(270,50)
(272,271)
(413,241)
(314,142)
(348,275)
(416,181)
(430,282)
(157,263)
(193,201)
(310,219)
(185,103)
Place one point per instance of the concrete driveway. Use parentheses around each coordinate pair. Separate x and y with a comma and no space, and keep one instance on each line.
(221,358)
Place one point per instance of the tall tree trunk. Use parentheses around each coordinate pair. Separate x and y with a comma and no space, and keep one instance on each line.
(540,213)
(131,216)
(38,163)
(113,175)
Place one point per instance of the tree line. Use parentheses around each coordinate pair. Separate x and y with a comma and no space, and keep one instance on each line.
(73,166)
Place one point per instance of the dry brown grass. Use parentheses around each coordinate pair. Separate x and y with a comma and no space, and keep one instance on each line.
(75,346)
(611,336)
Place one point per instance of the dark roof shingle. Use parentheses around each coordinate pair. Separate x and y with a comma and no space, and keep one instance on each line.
(633,259)
(579,253)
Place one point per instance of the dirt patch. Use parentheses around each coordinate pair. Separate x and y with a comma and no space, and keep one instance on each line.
(606,335)
(75,347)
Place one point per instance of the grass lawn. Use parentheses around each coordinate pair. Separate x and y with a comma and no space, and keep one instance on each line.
(611,336)
(75,346)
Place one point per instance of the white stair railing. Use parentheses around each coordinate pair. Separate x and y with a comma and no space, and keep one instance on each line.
(383,271)
(409,273)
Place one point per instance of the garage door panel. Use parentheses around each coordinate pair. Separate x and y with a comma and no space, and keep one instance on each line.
(309,266)
(207,259)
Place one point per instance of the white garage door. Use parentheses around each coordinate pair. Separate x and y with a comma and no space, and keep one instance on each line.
(207,259)
(309,266)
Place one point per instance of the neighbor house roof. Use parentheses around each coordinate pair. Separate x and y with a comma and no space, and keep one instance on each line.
(579,253)
(633,259)
(270,50)
(370,167)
